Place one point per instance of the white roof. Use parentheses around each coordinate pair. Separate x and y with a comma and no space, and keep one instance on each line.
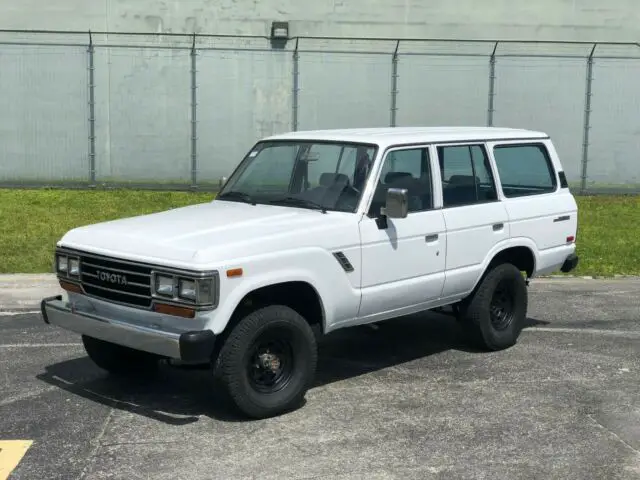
(402,135)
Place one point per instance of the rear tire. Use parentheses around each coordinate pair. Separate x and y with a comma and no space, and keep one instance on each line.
(119,360)
(495,314)
(268,361)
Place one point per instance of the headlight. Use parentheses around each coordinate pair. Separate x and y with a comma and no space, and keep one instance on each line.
(74,266)
(67,265)
(199,290)
(188,289)
(164,285)
(63,264)
(206,291)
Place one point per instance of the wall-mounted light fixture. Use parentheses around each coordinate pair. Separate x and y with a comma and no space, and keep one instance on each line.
(279,34)
(279,30)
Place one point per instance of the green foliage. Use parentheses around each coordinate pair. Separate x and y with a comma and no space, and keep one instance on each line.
(32,221)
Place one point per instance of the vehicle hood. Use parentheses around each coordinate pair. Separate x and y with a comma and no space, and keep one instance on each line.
(213,232)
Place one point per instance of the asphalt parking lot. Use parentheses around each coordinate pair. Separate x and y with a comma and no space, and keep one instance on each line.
(407,400)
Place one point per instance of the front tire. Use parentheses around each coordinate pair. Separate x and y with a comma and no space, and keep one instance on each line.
(496,312)
(268,361)
(119,360)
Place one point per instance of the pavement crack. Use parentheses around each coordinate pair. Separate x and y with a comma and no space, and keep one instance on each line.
(614,434)
(97,445)
(118,444)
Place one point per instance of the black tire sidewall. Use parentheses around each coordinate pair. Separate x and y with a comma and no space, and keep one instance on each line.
(479,309)
(301,368)
(233,357)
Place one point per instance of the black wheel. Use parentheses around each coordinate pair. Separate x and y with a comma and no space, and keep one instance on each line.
(268,361)
(496,312)
(119,360)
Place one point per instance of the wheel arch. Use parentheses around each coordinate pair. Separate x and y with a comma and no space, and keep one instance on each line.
(300,295)
(296,292)
(520,253)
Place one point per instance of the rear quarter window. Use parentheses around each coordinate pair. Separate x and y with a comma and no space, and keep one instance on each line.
(524,170)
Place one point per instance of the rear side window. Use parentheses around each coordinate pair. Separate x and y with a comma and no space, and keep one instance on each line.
(524,170)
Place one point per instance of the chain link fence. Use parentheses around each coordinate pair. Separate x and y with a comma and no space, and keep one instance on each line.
(179,112)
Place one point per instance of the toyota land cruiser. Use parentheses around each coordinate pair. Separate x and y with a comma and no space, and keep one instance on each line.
(316,231)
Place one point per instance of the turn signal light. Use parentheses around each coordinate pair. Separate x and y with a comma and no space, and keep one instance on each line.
(234,272)
(70,287)
(174,310)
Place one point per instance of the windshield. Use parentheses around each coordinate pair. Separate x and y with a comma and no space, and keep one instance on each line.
(303,174)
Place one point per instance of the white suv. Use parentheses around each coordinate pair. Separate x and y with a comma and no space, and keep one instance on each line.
(316,231)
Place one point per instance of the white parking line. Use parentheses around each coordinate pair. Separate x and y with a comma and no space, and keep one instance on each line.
(39,345)
(18,312)
(592,331)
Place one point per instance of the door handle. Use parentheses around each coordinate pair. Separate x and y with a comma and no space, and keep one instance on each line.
(498,226)
(431,238)
(563,218)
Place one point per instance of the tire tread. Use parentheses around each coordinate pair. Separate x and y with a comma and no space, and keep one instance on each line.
(229,369)
(476,312)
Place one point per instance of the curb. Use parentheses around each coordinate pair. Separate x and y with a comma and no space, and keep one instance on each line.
(26,277)
(24,292)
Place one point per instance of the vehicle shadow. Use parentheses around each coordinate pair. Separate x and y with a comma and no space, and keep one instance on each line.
(357,351)
(179,396)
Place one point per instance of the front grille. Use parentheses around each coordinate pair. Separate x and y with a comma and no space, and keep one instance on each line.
(116,280)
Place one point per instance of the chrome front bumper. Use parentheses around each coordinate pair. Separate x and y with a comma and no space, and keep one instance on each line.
(188,346)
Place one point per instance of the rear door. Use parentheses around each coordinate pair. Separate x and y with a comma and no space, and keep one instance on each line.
(475,218)
(537,198)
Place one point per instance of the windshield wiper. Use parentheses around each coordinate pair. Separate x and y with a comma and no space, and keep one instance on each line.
(236,195)
(299,202)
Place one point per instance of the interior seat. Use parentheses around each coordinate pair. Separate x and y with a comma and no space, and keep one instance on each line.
(461,190)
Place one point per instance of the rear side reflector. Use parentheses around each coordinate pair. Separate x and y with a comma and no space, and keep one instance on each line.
(70,287)
(571,239)
(174,310)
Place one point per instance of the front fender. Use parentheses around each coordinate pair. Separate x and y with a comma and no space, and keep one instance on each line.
(316,267)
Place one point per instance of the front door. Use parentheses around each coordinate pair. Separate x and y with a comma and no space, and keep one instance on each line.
(403,261)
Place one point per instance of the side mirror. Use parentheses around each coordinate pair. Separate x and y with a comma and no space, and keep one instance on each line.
(397,204)
(222,181)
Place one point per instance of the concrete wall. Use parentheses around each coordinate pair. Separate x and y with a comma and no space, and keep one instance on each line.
(247,89)
(589,20)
